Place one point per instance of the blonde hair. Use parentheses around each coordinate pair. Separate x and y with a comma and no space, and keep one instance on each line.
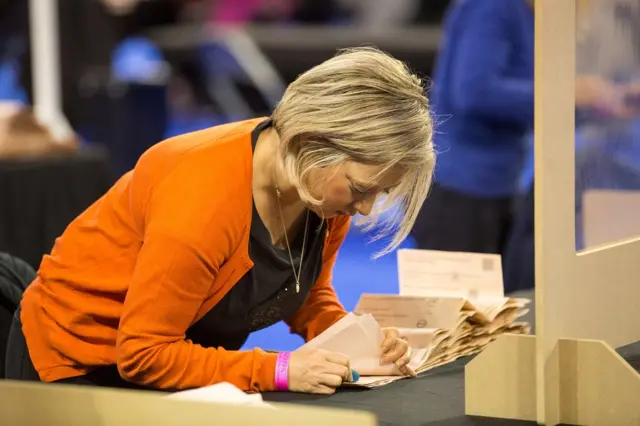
(365,106)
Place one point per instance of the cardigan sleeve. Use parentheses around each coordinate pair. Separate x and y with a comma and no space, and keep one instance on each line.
(186,238)
(322,308)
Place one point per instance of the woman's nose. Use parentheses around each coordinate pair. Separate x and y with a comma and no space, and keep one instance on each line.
(364,206)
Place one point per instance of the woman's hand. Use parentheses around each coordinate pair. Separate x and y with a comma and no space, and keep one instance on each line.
(396,350)
(317,371)
(617,100)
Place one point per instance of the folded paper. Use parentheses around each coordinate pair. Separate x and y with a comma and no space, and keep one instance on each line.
(450,305)
(221,393)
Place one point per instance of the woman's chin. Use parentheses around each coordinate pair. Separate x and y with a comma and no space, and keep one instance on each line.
(335,214)
(326,214)
(331,215)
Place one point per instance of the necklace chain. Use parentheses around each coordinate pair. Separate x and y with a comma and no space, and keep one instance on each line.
(296,274)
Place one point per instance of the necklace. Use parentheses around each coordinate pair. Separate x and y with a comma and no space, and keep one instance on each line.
(296,274)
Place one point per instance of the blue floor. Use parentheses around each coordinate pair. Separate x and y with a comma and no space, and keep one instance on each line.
(355,273)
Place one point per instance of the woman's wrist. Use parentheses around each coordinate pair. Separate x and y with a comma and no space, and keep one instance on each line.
(282,371)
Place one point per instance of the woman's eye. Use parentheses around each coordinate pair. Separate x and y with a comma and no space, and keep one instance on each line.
(359,191)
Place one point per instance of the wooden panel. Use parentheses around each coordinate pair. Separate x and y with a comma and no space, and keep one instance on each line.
(554,190)
(594,294)
(501,380)
(30,404)
(588,295)
(597,386)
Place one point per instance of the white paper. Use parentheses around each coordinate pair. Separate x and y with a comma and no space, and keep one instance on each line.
(450,305)
(359,337)
(222,393)
(411,311)
(450,274)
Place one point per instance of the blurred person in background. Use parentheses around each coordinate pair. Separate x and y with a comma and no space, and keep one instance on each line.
(482,96)
(594,95)
(223,232)
(607,113)
(89,31)
(608,138)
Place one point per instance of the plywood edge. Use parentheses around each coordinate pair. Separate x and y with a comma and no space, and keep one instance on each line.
(597,386)
(615,267)
(501,381)
(30,404)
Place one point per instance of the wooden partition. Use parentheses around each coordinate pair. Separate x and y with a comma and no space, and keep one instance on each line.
(587,302)
(30,404)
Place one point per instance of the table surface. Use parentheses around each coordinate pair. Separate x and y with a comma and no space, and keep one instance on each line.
(435,398)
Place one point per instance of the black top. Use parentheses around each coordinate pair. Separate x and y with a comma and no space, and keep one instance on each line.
(267,293)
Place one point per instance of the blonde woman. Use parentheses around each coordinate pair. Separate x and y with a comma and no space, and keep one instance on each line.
(222,232)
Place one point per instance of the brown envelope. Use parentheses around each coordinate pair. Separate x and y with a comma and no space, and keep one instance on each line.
(411,311)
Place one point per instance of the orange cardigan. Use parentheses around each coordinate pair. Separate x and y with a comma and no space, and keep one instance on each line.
(150,258)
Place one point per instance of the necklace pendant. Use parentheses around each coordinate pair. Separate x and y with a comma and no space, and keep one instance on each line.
(297,287)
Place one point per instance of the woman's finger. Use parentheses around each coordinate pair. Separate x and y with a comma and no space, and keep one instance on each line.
(340,371)
(390,337)
(323,390)
(330,380)
(408,371)
(403,359)
(398,350)
(337,358)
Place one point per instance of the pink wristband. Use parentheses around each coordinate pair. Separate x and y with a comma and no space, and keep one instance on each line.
(282,371)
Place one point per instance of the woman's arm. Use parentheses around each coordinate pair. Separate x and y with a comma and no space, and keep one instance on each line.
(188,230)
(322,308)
(170,282)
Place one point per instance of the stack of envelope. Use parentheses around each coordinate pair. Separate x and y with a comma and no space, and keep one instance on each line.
(450,305)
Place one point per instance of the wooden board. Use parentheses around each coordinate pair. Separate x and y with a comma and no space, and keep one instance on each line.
(501,380)
(582,297)
(597,387)
(35,404)
(587,295)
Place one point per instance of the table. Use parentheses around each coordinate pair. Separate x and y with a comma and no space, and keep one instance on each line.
(40,197)
(436,398)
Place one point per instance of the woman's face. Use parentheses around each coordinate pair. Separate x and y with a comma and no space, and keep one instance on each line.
(349,188)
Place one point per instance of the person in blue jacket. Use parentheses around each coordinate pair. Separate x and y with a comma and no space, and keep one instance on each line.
(482,95)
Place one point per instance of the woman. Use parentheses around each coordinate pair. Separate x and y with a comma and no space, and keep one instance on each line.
(222,232)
